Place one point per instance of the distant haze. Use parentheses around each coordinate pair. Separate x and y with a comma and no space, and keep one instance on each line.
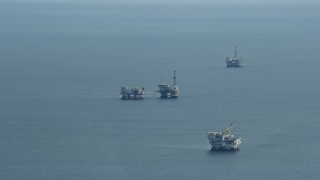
(172,1)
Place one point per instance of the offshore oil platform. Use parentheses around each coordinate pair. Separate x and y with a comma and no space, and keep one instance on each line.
(224,140)
(169,91)
(132,93)
(235,61)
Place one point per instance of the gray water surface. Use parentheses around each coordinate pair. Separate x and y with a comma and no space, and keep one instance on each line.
(62,65)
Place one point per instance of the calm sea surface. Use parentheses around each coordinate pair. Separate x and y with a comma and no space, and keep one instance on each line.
(62,65)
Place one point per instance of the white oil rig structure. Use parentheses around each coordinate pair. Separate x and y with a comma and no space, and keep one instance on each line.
(224,140)
(235,61)
(132,93)
(169,91)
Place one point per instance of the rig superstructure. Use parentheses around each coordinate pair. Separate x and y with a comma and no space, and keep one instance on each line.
(132,93)
(169,91)
(235,61)
(224,140)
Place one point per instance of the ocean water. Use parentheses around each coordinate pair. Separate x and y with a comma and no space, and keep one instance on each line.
(62,66)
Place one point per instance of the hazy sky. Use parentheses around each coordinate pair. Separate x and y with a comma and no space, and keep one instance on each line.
(174,1)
